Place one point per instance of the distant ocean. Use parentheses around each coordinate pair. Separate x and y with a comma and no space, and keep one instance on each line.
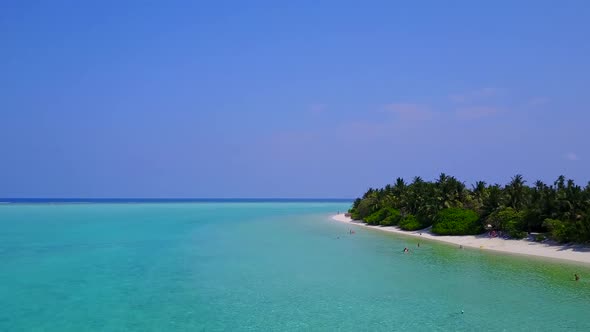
(260,265)
(174,200)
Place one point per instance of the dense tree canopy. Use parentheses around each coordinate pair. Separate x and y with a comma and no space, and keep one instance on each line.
(561,209)
(456,221)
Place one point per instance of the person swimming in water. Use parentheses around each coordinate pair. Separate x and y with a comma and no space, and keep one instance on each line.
(418,244)
(576,277)
(406,249)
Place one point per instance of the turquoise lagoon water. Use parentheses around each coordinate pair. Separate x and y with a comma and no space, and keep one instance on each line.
(261,267)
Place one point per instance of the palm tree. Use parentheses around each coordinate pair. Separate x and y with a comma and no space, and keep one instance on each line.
(516,192)
(450,191)
(400,184)
(479,189)
(564,203)
(478,195)
(417,180)
(493,199)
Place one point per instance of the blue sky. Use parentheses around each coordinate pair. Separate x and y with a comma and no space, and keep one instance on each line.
(288,99)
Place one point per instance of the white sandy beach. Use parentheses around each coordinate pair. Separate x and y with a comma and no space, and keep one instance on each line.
(575,253)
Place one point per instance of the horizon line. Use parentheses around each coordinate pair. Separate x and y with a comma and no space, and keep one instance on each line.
(5,199)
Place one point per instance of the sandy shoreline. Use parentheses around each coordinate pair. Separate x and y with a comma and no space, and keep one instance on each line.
(575,253)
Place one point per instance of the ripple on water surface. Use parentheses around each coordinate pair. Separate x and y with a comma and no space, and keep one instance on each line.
(262,266)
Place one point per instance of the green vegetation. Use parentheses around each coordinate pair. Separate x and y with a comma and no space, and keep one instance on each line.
(540,238)
(561,210)
(509,220)
(386,216)
(410,223)
(456,221)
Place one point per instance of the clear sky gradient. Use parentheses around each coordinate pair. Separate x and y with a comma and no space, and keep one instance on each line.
(288,98)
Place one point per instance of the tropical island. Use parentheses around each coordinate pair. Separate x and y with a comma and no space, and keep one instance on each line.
(559,212)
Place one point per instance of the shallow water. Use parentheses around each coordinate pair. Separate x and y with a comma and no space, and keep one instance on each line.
(261,267)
